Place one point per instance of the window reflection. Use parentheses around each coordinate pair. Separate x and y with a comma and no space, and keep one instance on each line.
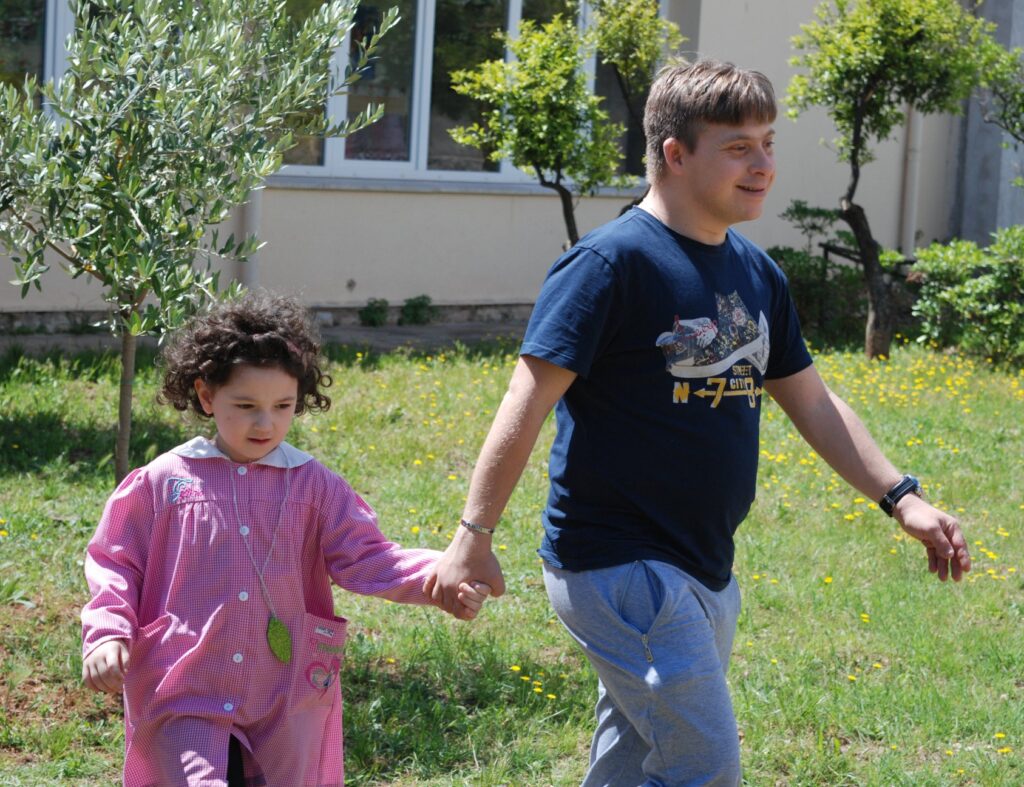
(387,81)
(22,26)
(463,38)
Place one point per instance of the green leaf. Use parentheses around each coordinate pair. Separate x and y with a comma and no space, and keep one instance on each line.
(280,640)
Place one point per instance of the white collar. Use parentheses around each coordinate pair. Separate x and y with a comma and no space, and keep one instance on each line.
(284,455)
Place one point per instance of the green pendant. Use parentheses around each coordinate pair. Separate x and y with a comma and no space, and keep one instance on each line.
(280,640)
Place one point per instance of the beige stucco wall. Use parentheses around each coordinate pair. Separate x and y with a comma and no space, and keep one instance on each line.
(457,248)
(467,246)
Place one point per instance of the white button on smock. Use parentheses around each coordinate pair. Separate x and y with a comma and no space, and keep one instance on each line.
(242,470)
(243,596)
(244,530)
(229,706)
(237,658)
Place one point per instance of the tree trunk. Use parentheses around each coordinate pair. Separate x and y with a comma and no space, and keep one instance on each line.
(881,319)
(124,406)
(568,210)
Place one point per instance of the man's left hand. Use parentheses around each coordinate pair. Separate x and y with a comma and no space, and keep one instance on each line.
(939,532)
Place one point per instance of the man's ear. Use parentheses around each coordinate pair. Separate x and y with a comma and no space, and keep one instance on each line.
(675,155)
(205,394)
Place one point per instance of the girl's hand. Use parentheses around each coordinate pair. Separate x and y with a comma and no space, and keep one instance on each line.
(104,668)
(472,596)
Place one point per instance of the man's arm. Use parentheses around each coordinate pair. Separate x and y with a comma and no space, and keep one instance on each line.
(534,389)
(835,432)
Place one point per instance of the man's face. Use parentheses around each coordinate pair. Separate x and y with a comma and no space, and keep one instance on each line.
(727,175)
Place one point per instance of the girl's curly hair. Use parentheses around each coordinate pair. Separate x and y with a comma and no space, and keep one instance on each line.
(260,329)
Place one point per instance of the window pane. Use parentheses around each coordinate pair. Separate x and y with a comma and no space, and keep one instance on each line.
(542,11)
(307,150)
(22,26)
(463,38)
(632,142)
(387,81)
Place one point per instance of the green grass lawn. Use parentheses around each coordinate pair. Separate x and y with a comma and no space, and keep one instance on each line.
(852,666)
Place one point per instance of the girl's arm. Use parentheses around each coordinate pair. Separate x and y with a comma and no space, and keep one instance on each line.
(361,559)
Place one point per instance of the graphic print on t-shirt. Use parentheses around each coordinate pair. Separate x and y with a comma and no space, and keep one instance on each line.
(703,347)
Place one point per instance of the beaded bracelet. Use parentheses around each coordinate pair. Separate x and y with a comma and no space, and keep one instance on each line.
(486,531)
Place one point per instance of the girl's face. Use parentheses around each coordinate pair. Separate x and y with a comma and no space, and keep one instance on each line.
(253,410)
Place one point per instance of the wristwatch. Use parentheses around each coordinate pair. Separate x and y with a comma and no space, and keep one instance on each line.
(905,486)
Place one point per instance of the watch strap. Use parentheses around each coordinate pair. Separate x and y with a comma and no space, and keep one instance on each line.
(905,486)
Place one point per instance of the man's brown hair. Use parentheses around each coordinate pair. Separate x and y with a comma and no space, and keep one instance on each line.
(687,96)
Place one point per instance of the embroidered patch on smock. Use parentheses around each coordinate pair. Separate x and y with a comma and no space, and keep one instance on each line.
(181,490)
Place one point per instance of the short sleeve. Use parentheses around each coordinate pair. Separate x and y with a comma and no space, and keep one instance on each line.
(575,312)
(788,354)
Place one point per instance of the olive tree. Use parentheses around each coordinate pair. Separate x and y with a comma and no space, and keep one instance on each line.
(170,114)
(865,62)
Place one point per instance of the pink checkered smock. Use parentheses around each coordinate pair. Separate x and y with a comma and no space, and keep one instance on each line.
(169,573)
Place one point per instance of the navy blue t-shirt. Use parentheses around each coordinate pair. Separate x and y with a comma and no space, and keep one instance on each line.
(657,445)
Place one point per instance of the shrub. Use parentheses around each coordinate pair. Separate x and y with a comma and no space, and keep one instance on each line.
(417,311)
(973,298)
(830,296)
(375,313)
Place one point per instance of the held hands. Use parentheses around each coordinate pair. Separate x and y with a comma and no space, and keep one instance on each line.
(104,668)
(472,596)
(468,556)
(939,532)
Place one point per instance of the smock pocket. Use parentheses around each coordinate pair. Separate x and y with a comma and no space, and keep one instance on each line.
(316,661)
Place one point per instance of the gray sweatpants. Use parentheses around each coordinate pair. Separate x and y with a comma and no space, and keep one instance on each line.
(660,643)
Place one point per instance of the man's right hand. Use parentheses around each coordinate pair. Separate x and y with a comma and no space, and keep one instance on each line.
(104,668)
(468,558)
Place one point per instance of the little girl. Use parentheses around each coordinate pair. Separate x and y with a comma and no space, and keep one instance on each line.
(211,569)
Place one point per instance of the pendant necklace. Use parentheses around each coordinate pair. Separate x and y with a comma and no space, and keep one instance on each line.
(278,637)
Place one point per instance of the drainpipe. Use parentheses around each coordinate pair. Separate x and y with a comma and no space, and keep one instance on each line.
(911,166)
(249,219)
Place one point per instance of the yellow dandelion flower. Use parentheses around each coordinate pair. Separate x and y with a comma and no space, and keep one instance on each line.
(515,668)
(551,696)
(1000,735)
(851,678)
(414,529)
(828,580)
(1004,750)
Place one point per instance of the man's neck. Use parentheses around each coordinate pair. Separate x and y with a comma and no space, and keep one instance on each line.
(672,211)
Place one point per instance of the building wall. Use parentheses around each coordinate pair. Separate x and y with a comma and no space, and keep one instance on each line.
(338,244)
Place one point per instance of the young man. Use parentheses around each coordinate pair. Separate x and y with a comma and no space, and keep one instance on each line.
(656,335)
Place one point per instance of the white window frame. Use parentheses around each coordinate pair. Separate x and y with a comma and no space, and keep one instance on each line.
(60,24)
(415,169)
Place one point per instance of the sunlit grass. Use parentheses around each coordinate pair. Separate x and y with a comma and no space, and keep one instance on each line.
(852,665)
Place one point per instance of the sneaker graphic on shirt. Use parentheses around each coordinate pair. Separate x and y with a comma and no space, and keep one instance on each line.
(706,347)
